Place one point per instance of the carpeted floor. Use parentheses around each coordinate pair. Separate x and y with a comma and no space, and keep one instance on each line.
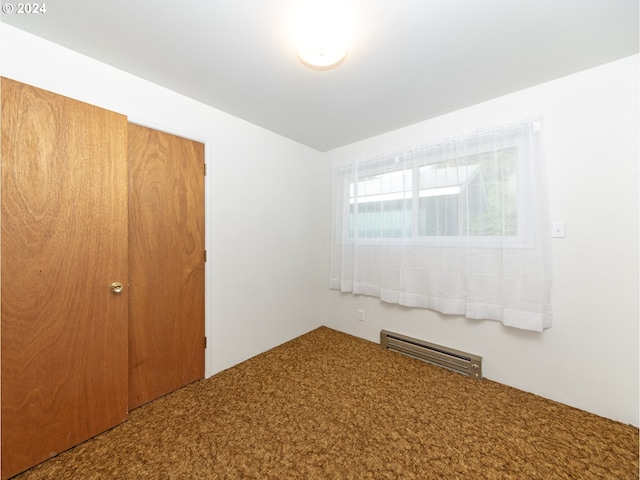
(330,406)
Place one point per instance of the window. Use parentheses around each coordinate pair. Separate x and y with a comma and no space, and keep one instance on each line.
(459,226)
(448,199)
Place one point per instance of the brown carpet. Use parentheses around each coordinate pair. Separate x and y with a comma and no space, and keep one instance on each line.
(330,406)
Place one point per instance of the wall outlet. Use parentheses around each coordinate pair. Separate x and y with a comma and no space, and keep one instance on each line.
(361,315)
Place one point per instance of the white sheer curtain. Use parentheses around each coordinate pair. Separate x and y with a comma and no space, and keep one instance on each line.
(459,226)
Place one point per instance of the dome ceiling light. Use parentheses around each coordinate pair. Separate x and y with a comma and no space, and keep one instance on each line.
(321,33)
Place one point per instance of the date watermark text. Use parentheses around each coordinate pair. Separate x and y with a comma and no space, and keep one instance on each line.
(24,8)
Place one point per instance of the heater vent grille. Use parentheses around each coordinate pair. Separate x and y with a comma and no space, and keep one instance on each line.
(461,362)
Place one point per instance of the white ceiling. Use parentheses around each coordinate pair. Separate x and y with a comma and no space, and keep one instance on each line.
(411,59)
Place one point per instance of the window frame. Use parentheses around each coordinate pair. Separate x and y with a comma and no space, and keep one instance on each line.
(518,240)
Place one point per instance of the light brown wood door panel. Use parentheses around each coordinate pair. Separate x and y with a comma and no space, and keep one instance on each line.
(64,240)
(166,263)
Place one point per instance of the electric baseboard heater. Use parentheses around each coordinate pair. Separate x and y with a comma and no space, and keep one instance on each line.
(455,360)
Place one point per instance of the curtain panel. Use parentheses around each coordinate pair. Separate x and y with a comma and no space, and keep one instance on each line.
(460,226)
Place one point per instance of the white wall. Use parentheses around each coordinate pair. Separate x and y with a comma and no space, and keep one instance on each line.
(262,232)
(589,358)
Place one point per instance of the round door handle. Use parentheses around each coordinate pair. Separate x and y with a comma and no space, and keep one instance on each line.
(116,287)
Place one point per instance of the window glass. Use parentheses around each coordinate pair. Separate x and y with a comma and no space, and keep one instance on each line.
(476,198)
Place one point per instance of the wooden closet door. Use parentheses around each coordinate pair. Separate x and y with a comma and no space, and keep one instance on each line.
(64,241)
(166,263)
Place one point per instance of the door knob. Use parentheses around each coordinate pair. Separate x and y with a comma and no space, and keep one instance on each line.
(116,287)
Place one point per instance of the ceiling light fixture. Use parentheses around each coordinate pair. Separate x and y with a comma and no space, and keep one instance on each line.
(321,33)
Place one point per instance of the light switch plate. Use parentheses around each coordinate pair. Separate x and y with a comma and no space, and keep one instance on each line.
(558,230)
